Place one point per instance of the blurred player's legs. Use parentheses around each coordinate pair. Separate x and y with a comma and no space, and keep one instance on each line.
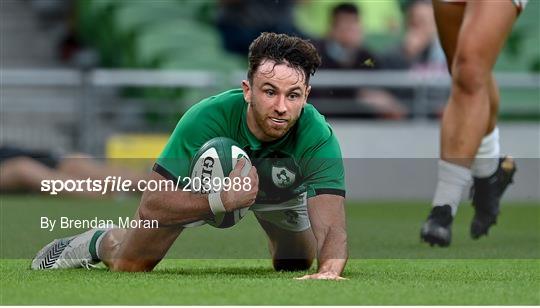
(24,170)
(25,173)
(486,193)
(472,36)
(437,230)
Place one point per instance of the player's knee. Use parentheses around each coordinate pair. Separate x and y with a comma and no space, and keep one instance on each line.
(123,265)
(292,265)
(469,76)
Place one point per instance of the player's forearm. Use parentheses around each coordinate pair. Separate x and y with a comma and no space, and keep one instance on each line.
(175,207)
(332,254)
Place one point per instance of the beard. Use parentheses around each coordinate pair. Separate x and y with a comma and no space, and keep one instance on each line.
(267,126)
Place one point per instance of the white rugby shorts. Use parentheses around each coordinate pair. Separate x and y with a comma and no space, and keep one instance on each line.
(291,215)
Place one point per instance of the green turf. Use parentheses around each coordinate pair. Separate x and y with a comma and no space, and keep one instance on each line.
(225,282)
(208,266)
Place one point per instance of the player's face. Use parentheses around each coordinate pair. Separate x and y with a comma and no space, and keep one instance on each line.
(346,30)
(420,19)
(275,100)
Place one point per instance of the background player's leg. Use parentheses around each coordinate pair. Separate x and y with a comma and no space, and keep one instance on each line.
(488,153)
(471,44)
(448,17)
(290,250)
(482,35)
(494,99)
(451,179)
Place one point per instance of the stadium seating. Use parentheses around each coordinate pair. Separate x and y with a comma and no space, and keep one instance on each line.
(179,35)
(522,49)
(169,35)
(153,34)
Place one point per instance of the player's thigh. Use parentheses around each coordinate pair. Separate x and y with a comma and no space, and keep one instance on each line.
(483,32)
(289,233)
(448,17)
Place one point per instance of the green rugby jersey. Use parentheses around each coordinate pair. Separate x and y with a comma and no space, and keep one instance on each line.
(307,159)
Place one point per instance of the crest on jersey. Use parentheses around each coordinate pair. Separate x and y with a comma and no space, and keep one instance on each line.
(282,177)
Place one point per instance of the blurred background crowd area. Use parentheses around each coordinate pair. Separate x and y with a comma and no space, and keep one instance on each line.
(215,34)
(193,36)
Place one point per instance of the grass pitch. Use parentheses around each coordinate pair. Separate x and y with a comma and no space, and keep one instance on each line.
(388,264)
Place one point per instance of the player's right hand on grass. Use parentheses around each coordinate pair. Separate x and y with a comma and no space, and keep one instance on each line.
(245,196)
(321,276)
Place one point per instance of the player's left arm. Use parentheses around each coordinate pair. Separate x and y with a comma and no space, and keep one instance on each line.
(327,217)
(325,179)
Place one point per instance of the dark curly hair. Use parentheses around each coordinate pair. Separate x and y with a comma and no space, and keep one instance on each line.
(296,52)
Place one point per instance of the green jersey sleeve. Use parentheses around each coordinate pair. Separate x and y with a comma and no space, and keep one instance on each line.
(323,169)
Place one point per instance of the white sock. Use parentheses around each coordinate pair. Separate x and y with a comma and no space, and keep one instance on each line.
(453,180)
(487,157)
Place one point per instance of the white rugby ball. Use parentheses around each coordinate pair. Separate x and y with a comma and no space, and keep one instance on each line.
(212,164)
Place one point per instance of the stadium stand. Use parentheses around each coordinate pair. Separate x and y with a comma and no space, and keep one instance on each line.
(25,44)
(167,35)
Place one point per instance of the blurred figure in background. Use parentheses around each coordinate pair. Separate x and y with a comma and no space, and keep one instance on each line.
(379,17)
(59,19)
(420,48)
(343,49)
(241,21)
(23,170)
(419,51)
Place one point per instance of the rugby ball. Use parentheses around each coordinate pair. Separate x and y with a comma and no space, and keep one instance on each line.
(210,169)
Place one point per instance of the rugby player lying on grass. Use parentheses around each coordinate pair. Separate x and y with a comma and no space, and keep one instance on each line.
(303,217)
(32,171)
